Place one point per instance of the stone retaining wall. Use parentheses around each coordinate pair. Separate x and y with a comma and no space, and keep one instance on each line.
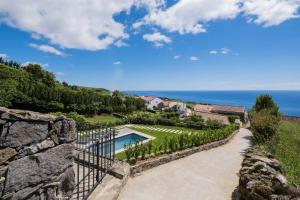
(36,156)
(292,119)
(154,162)
(262,178)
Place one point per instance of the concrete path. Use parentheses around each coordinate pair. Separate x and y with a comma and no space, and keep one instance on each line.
(207,175)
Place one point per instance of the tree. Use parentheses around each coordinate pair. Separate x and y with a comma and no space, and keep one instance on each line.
(265,102)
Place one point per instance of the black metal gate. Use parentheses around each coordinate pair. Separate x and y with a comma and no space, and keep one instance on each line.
(94,156)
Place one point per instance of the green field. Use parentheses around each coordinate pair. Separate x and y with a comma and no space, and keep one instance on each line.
(102,119)
(286,148)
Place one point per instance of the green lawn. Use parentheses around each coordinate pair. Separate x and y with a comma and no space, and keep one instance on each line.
(102,119)
(159,137)
(286,148)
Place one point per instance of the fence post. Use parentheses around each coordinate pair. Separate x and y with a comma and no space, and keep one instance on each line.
(114,144)
(98,146)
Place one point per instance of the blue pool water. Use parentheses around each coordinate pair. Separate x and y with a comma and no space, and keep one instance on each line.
(127,140)
(288,101)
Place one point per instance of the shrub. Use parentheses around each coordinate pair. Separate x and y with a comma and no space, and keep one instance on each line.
(263,125)
(232,118)
(265,102)
(143,150)
(214,124)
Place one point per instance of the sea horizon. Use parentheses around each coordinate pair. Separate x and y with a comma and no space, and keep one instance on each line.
(287,100)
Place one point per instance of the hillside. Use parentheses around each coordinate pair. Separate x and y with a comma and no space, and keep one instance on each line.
(33,88)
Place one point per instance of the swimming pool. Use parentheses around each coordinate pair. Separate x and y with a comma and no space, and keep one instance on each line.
(132,138)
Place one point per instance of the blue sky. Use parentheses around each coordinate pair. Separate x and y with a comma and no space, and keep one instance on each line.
(158,44)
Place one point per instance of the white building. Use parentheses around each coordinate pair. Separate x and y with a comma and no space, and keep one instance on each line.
(151,102)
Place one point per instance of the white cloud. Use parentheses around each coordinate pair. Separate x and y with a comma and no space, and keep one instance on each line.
(120,43)
(60,73)
(176,57)
(117,62)
(47,49)
(194,58)
(3,55)
(92,26)
(213,52)
(188,16)
(157,39)
(31,62)
(70,24)
(225,51)
(271,12)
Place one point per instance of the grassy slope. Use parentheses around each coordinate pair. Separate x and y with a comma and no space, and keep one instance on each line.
(102,119)
(286,148)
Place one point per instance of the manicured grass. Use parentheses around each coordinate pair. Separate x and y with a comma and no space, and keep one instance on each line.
(286,148)
(159,137)
(102,119)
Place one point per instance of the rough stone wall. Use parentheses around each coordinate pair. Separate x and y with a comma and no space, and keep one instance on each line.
(291,119)
(36,156)
(262,178)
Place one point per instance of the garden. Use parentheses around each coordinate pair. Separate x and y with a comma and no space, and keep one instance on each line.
(165,143)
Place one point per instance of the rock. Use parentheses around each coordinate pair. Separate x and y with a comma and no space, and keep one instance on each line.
(14,114)
(41,167)
(68,131)
(2,182)
(280,184)
(67,183)
(63,131)
(264,190)
(3,170)
(22,133)
(2,122)
(6,154)
(27,193)
(32,149)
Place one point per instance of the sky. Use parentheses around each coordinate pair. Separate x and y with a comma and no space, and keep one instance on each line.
(157,44)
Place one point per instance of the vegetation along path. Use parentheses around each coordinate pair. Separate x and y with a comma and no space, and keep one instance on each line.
(206,175)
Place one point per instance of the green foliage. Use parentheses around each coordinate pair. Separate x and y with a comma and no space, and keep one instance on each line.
(285,146)
(214,124)
(265,102)
(264,118)
(171,119)
(264,126)
(232,118)
(32,88)
(172,143)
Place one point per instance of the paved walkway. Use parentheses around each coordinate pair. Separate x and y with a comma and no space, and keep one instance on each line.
(207,175)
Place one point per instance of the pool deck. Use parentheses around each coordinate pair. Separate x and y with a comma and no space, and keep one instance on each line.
(128,131)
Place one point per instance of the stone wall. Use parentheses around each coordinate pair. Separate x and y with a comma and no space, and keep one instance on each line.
(262,178)
(292,119)
(36,156)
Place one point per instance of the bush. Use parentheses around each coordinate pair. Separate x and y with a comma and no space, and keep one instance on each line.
(175,142)
(232,118)
(214,124)
(264,126)
(265,103)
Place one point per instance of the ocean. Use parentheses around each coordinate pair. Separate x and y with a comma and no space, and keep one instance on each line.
(288,101)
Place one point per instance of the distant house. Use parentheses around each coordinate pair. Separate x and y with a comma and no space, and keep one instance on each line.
(202,108)
(230,110)
(177,106)
(151,102)
(213,116)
